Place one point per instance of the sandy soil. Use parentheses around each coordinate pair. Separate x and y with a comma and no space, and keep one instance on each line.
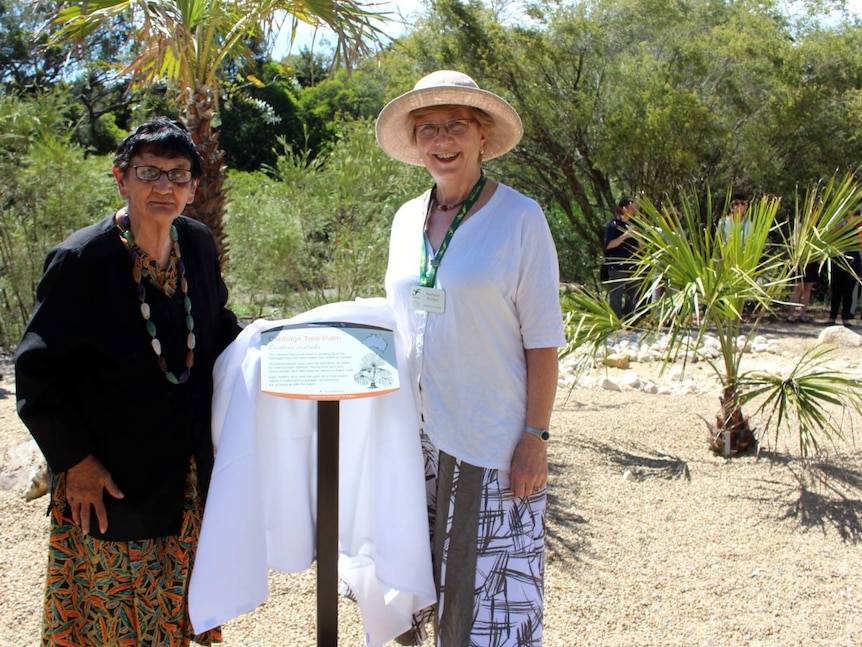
(652,540)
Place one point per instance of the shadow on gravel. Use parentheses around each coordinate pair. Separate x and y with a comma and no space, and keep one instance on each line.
(4,393)
(564,535)
(640,464)
(828,495)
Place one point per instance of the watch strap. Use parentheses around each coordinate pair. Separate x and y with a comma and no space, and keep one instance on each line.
(539,433)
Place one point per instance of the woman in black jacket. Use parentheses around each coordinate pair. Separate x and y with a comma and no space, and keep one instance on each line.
(114,381)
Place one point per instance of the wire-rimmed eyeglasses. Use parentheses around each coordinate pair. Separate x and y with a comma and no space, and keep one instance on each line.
(454,127)
(153,173)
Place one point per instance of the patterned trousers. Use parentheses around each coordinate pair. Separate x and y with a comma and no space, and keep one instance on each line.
(489,557)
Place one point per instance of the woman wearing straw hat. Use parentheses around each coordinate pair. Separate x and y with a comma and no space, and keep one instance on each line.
(473,279)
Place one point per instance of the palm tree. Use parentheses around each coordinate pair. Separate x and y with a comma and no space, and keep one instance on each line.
(186,44)
(725,285)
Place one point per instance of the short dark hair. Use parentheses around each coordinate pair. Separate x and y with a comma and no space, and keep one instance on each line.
(738,197)
(625,201)
(161,136)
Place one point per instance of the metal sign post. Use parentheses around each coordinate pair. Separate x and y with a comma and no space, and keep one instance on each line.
(328,412)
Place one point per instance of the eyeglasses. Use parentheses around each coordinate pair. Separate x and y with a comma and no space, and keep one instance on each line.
(454,127)
(153,173)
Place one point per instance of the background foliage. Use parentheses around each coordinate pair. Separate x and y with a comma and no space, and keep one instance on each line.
(315,231)
(651,97)
(50,188)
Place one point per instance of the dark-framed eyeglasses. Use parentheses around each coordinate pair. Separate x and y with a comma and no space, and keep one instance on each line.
(153,173)
(454,127)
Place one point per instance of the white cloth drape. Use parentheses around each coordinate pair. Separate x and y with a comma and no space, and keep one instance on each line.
(261,507)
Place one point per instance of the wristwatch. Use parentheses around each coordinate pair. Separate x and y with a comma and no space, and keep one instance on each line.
(539,433)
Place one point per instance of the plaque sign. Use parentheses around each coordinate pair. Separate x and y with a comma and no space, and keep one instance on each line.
(328,361)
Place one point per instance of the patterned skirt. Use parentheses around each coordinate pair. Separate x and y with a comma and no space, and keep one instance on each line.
(489,557)
(122,594)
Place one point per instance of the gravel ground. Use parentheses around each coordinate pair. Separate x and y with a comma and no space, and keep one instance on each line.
(652,540)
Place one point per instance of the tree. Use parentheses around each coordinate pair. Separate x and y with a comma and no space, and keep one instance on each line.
(325,106)
(50,189)
(188,43)
(27,63)
(646,96)
(817,118)
(260,107)
(709,282)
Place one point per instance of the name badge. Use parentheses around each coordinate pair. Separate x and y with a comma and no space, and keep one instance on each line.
(428,299)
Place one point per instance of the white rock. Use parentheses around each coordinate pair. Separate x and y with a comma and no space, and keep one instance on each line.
(839,336)
(610,385)
(629,380)
(22,468)
(710,341)
(709,352)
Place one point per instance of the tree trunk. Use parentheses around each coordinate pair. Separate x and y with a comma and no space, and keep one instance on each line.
(210,198)
(731,435)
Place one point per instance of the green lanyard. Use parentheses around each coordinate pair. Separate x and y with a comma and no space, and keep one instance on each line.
(428,275)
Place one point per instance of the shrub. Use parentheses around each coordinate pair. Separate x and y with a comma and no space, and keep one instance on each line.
(49,190)
(318,231)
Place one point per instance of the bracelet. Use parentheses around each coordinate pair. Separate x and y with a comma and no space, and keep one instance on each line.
(539,433)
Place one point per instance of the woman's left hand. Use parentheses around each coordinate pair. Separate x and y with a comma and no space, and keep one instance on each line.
(528,471)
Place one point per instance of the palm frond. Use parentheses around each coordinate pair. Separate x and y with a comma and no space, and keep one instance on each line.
(810,396)
(819,228)
(187,41)
(589,321)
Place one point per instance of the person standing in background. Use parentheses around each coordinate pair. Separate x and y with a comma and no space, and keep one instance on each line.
(801,296)
(735,219)
(844,279)
(620,247)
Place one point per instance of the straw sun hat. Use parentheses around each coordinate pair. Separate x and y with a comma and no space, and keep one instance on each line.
(443,88)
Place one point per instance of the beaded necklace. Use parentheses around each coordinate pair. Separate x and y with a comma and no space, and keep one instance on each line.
(138,269)
(449,207)
(445,207)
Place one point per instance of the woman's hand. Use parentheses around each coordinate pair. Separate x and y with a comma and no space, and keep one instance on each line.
(528,471)
(84,485)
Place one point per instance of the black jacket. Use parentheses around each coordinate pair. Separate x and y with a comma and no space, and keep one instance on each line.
(88,380)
